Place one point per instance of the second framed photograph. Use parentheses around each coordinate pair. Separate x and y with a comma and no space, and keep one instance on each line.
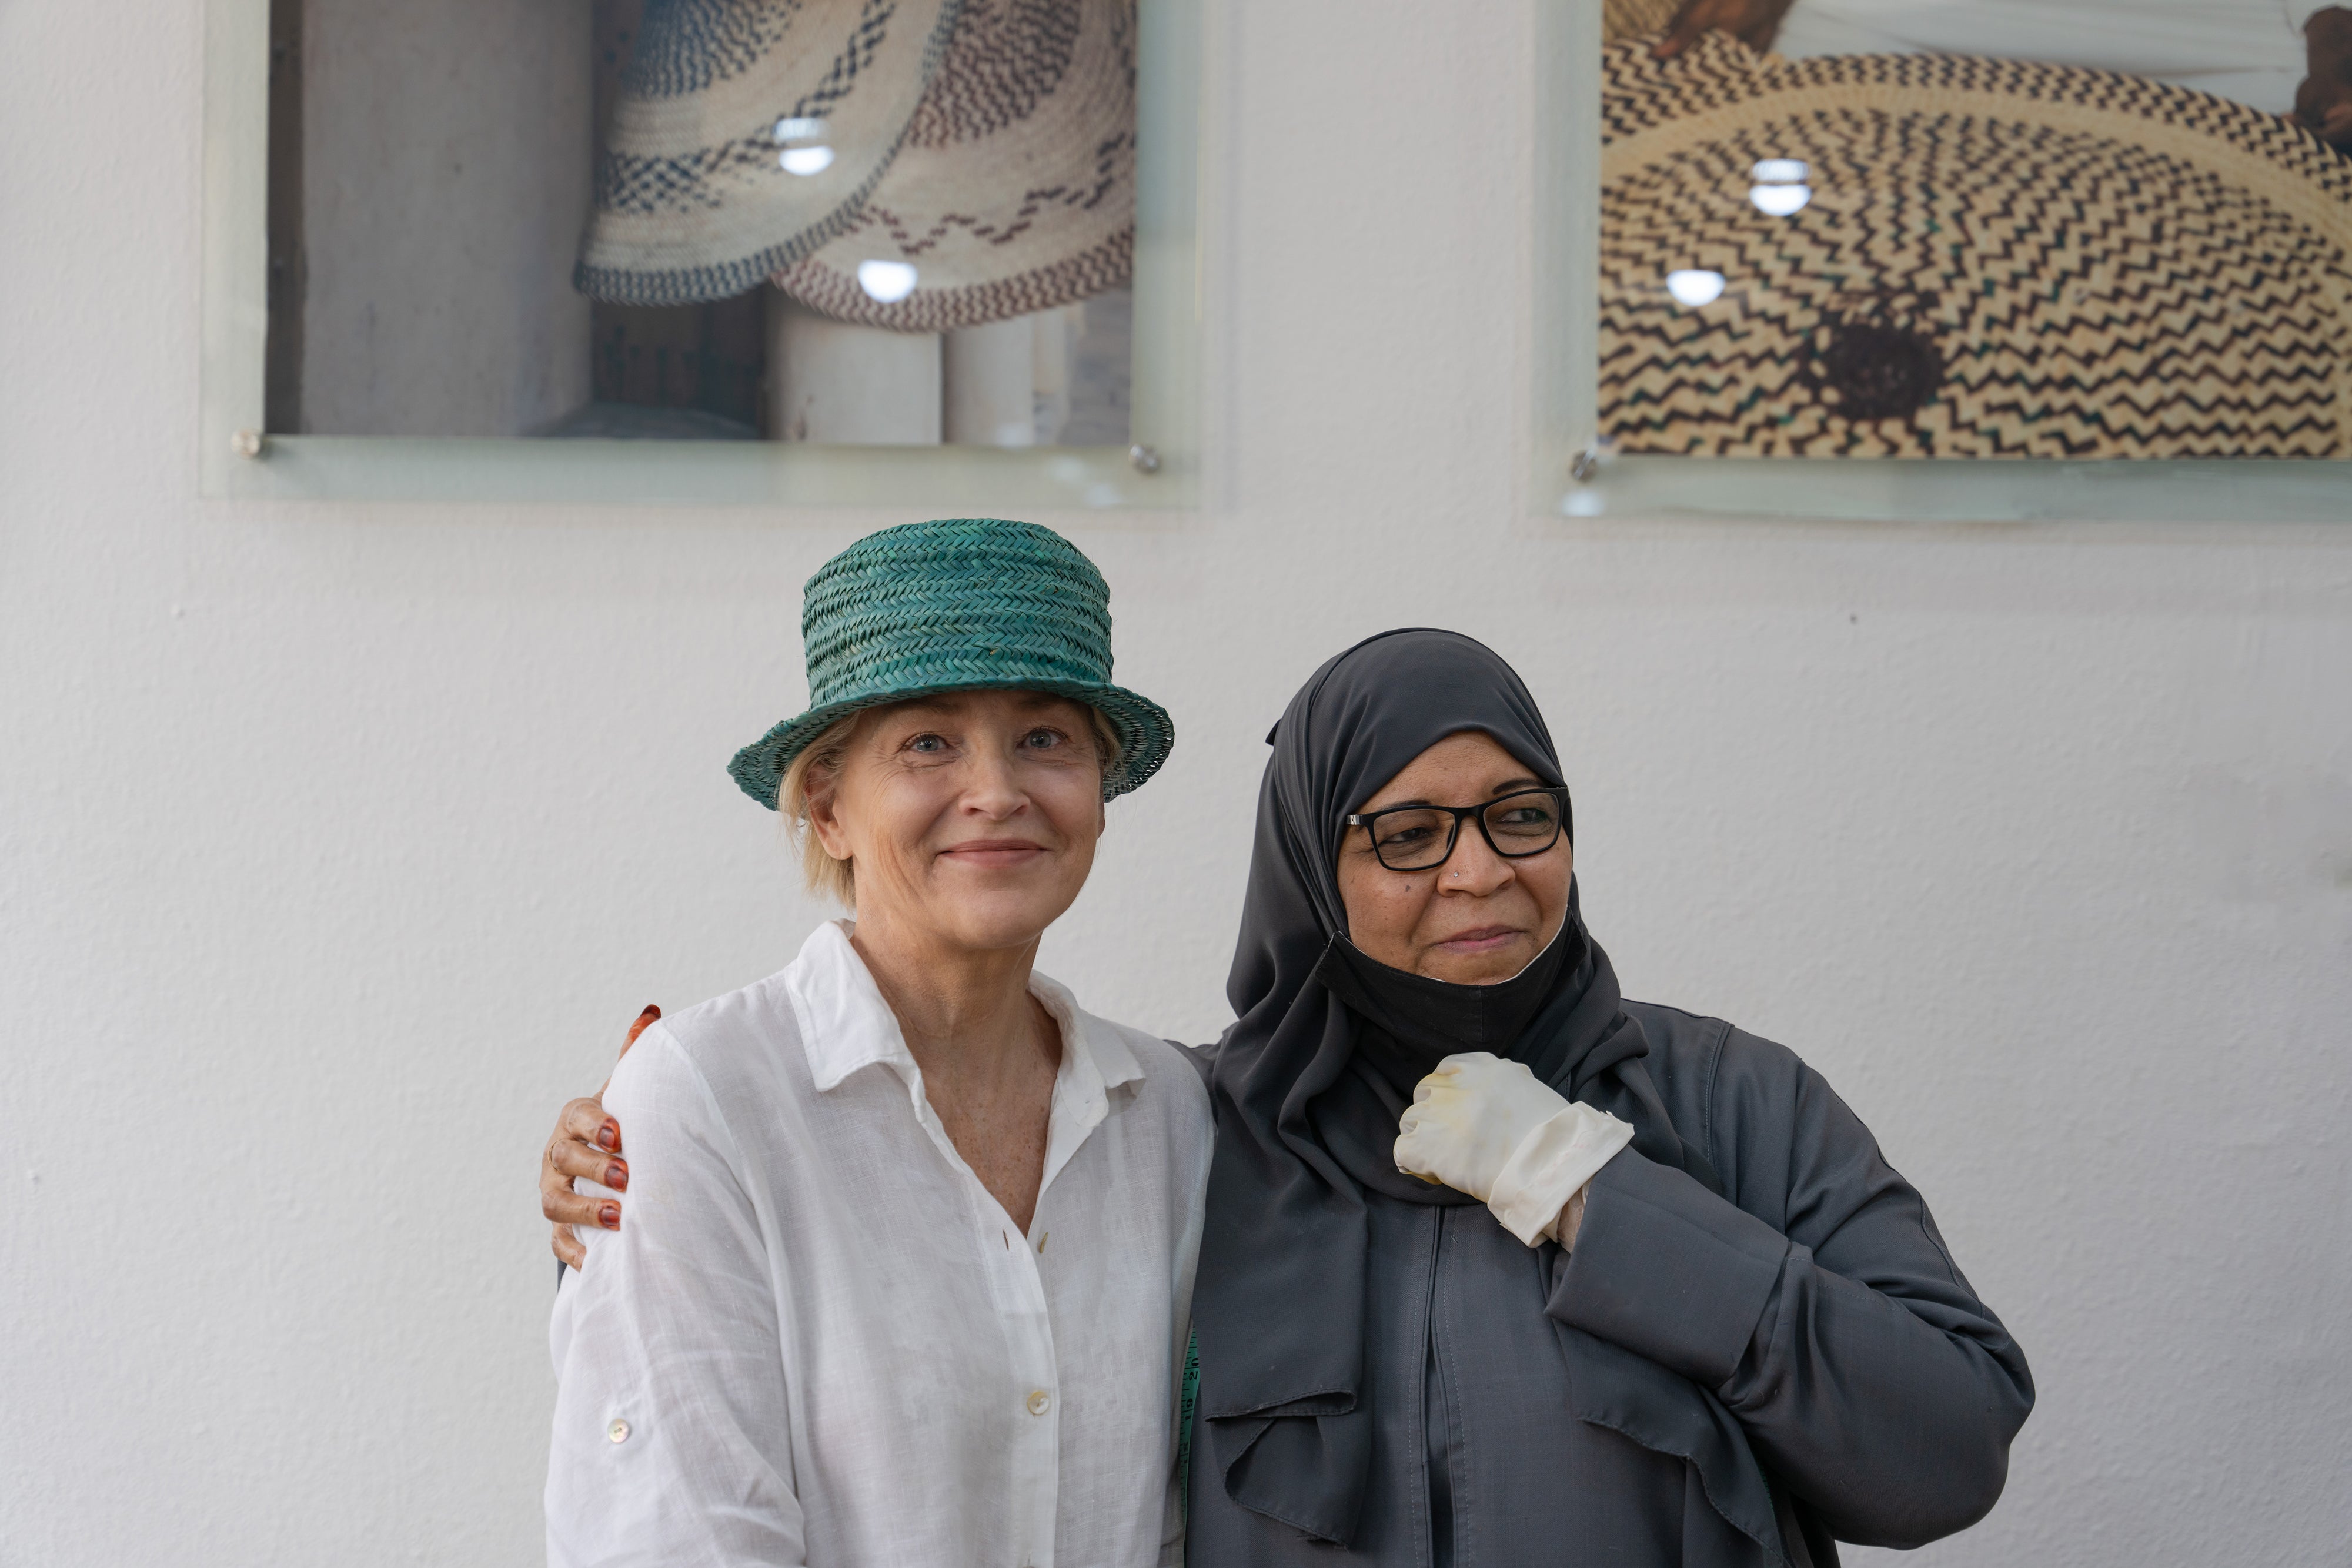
(1834,256)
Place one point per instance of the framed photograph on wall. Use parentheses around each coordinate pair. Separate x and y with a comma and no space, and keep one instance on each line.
(821,251)
(1975,260)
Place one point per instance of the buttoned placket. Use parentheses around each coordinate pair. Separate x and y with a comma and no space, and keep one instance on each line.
(1017,1287)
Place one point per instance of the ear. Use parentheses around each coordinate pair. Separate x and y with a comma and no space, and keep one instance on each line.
(825,821)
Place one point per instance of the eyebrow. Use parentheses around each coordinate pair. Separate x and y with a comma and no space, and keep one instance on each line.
(1508,787)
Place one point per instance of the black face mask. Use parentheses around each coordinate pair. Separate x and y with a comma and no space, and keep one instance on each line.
(1412,1022)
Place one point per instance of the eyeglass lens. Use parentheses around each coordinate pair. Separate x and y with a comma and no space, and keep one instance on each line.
(1416,838)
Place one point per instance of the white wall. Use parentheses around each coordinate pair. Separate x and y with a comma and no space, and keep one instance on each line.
(339,842)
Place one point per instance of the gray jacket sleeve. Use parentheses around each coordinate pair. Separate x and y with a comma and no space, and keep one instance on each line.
(1817,1302)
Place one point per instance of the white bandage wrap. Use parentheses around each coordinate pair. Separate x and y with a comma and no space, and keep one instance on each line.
(1550,1165)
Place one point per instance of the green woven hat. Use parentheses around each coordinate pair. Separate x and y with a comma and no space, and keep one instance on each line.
(962,604)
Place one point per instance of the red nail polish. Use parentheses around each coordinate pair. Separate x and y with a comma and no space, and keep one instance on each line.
(616,1176)
(608,1136)
(653,1010)
(609,1217)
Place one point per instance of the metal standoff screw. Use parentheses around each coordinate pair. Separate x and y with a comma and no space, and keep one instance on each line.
(1145,458)
(245,444)
(1587,464)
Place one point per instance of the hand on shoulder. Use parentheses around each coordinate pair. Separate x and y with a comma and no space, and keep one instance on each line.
(585,1144)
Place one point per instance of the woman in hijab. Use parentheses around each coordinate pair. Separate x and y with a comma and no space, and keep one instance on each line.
(1498,1267)
(1736,1339)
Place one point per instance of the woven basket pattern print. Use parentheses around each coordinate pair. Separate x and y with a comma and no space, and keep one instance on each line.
(1014,190)
(1999,258)
(690,201)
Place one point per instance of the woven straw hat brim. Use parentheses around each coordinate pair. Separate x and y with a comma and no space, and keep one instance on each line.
(692,202)
(1014,189)
(1999,258)
(1146,734)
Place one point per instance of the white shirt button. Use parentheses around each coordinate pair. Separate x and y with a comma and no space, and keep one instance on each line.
(1039,1403)
(618,1431)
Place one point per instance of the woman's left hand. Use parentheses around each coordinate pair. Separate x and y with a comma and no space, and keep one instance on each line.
(1487,1127)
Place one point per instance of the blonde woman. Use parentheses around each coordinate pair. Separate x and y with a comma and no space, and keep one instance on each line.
(907,1266)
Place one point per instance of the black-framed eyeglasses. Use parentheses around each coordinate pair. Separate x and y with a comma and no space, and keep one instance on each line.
(1422,838)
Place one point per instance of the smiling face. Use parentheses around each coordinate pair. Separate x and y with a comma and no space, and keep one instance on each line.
(972,817)
(1479,918)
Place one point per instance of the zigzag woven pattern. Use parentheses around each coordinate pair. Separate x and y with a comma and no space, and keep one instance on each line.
(1106,266)
(1999,258)
(683,181)
(691,203)
(685,45)
(1014,191)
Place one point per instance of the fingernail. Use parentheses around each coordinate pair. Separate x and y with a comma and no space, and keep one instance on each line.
(608,1136)
(616,1176)
(609,1217)
(652,1011)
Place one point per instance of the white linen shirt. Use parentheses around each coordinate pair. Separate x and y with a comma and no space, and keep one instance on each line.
(818,1339)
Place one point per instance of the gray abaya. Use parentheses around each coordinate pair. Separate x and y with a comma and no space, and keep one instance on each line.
(1886,1406)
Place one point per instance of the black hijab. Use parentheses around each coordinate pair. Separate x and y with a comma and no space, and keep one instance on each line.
(1309,1081)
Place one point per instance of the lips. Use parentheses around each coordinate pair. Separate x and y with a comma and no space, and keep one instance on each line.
(994,853)
(1482,939)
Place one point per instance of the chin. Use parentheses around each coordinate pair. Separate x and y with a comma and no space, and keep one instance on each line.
(1000,918)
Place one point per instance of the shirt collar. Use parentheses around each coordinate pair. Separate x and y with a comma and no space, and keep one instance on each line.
(846,1025)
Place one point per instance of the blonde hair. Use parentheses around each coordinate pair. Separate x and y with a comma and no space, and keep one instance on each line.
(814,772)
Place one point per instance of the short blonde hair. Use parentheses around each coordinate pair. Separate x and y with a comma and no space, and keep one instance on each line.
(811,777)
